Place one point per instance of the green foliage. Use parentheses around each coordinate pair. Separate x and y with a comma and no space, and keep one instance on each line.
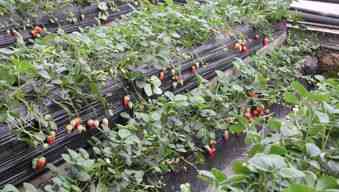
(162,131)
(79,64)
(296,154)
(33,7)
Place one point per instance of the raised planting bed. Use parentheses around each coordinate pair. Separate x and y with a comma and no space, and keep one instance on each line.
(69,19)
(17,160)
(191,83)
(236,160)
(82,18)
(220,100)
(70,82)
(294,148)
(205,60)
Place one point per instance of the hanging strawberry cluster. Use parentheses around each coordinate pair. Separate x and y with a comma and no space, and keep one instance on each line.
(77,126)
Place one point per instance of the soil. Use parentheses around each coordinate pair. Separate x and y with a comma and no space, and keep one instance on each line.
(329,61)
(233,150)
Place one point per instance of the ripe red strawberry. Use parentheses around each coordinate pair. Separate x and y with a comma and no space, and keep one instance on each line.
(34,34)
(92,124)
(248,115)
(38,29)
(212,151)
(238,46)
(80,129)
(50,139)
(266,41)
(162,75)
(260,110)
(125,101)
(244,48)
(76,122)
(39,164)
(255,113)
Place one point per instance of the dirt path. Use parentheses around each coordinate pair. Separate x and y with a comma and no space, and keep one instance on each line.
(234,149)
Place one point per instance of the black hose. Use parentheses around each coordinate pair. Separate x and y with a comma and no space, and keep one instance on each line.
(319,19)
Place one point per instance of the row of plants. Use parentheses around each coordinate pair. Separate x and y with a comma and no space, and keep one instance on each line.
(162,133)
(69,134)
(298,153)
(36,8)
(79,64)
(70,18)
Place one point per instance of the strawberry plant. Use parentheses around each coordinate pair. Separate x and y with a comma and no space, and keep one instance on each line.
(297,152)
(34,7)
(78,65)
(297,155)
(163,132)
